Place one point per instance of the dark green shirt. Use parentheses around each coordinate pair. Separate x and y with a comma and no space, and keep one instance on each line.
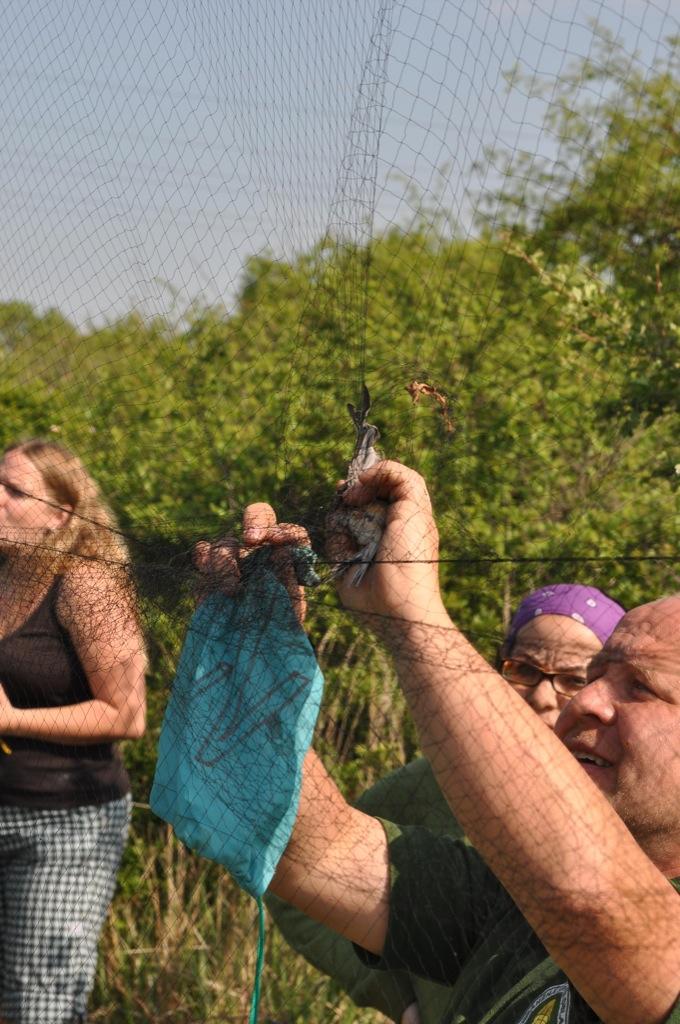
(452,921)
(409,796)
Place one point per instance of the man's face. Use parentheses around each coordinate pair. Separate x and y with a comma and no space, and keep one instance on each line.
(624,726)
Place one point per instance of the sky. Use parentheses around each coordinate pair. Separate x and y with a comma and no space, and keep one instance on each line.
(149,149)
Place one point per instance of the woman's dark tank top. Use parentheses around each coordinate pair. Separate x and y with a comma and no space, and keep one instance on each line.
(39,667)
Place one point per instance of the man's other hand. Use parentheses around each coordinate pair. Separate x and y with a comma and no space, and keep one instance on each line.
(220,562)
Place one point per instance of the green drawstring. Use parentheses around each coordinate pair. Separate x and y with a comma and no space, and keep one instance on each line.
(255,1001)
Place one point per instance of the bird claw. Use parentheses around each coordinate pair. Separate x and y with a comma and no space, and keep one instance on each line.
(364,525)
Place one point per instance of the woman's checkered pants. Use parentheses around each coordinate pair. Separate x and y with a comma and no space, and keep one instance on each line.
(57,876)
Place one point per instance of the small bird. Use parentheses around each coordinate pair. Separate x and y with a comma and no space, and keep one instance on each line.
(366,524)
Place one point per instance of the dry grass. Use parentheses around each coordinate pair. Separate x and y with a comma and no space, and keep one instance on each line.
(180,946)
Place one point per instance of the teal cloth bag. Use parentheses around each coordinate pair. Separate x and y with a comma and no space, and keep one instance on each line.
(238,724)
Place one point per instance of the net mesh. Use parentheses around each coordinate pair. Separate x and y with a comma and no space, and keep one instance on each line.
(219,223)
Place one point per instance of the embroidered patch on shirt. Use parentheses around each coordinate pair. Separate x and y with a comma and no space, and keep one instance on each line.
(551,1007)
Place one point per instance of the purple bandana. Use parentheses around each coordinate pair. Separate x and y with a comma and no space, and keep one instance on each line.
(587,605)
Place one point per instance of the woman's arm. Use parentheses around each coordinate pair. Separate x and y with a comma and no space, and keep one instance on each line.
(97,609)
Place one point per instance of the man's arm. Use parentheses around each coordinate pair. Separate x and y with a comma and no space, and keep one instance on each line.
(335,868)
(388,991)
(604,911)
(409,796)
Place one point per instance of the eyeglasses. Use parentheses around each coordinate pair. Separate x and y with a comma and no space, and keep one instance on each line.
(520,673)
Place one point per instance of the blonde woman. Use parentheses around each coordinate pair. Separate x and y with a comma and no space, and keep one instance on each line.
(72,668)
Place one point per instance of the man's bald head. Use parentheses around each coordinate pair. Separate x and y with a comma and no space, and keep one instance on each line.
(657,617)
(650,631)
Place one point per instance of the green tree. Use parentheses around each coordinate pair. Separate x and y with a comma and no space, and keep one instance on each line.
(610,201)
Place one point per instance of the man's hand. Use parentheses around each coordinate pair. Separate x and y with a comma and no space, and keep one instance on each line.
(220,562)
(403,582)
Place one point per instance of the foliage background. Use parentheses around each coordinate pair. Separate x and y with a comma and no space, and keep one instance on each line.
(553,334)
